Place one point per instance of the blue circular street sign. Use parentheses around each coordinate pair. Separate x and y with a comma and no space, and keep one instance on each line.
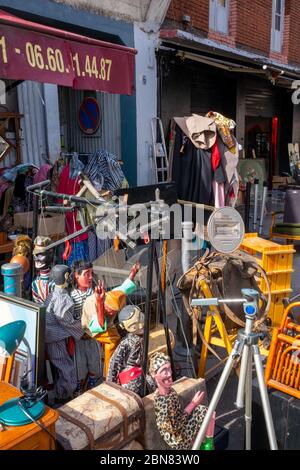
(89,115)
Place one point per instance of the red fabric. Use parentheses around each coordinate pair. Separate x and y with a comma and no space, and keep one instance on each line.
(215,156)
(128,375)
(68,186)
(71,346)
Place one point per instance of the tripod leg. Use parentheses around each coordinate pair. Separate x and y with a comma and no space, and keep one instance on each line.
(217,395)
(264,398)
(242,378)
(248,407)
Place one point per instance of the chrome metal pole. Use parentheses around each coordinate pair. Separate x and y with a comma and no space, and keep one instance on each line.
(264,398)
(235,353)
(248,397)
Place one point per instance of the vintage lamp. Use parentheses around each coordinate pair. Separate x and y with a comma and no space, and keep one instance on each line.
(29,407)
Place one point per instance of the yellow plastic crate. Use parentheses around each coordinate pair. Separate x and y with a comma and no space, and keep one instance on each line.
(277,261)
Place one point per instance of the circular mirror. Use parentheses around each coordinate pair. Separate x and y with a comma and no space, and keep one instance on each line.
(226,230)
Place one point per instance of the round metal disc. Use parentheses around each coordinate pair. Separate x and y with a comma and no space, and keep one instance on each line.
(226,230)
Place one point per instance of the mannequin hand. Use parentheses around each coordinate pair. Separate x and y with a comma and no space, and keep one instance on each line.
(198,398)
(100,292)
(134,270)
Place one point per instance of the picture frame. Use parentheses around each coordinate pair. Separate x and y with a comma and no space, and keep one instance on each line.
(12,309)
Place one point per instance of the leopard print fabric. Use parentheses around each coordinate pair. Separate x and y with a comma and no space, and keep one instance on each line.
(177,428)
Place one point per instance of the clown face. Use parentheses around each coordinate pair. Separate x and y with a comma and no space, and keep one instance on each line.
(163,378)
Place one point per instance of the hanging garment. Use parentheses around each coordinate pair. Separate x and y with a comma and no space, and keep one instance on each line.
(71,187)
(42,173)
(219,194)
(56,172)
(97,246)
(201,130)
(225,127)
(191,169)
(104,169)
(80,251)
(229,162)
(76,166)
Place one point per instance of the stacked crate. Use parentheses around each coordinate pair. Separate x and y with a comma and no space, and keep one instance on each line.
(277,261)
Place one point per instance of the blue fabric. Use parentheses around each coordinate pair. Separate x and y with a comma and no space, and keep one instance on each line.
(79,251)
(104,168)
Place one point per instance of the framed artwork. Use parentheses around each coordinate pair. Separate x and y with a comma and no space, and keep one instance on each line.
(294,158)
(13,309)
(250,169)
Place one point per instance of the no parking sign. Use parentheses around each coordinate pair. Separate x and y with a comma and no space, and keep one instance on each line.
(89,115)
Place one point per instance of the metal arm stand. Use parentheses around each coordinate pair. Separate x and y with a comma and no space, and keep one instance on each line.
(153,261)
(245,347)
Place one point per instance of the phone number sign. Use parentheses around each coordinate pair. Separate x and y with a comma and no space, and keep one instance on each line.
(27,55)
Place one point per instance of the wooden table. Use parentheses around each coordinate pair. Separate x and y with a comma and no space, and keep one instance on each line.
(30,436)
(7,247)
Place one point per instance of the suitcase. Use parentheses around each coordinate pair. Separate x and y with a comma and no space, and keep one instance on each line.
(106,417)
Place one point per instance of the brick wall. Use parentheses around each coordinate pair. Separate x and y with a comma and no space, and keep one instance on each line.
(293,21)
(254,21)
(250,25)
(198,10)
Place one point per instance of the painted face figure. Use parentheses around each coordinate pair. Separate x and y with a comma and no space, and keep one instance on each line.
(84,280)
(163,378)
(42,260)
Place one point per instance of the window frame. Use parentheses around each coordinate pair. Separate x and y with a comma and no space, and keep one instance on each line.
(218,19)
(277,35)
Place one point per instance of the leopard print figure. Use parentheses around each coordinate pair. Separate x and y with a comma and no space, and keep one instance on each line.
(177,428)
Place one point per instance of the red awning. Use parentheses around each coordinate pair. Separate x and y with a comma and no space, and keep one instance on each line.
(31,51)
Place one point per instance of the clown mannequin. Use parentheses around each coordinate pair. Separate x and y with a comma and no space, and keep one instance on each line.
(60,326)
(42,286)
(177,426)
(87,351)
(125,363)
(100,310)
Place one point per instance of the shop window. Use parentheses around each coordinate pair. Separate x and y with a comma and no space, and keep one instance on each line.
(218,15)
(277,25)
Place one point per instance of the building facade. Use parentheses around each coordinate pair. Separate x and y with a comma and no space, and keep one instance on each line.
(239,58)
(50,111)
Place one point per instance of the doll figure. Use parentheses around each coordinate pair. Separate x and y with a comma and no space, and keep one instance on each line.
(60,327)
(42,286)
(177,426)
(100,310)
(87,351)
(125,363)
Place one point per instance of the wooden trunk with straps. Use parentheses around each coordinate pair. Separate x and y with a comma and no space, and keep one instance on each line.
(104,418)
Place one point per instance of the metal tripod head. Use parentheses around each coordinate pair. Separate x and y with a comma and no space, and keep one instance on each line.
(250,302)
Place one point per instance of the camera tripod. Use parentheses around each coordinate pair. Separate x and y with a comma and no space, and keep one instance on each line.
(245,347)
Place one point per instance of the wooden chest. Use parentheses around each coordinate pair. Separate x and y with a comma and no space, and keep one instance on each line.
(106,417)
